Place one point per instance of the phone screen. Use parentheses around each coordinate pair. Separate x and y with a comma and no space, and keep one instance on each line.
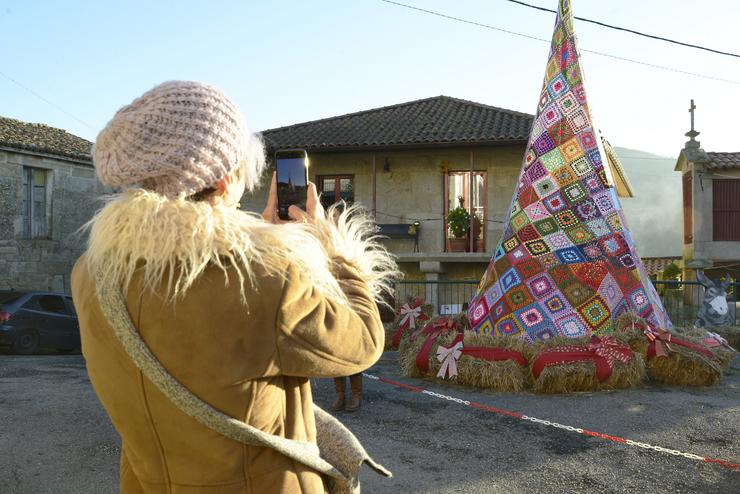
(292,180)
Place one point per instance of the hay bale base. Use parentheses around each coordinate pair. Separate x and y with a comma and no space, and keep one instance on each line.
(682,367)
(509,376)
(504,375)
(581,376)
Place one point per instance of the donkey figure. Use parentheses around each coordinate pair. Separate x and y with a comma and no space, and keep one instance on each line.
(714,311)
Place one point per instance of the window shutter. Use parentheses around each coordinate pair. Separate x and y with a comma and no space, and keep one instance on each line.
(726,210)
(688,231)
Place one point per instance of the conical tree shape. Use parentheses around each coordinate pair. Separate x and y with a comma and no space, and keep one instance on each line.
(566,264)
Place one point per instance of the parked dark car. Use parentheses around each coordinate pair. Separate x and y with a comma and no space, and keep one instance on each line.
(30,321)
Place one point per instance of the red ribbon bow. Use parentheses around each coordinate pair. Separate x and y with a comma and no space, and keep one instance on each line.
(433,330)
(409,314)
(660,341)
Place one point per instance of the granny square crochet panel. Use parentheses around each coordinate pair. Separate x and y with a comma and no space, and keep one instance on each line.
(566,264)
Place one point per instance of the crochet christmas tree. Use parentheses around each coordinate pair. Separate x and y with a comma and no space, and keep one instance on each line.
(566,264)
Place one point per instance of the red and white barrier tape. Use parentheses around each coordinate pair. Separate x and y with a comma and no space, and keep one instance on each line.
(585,432)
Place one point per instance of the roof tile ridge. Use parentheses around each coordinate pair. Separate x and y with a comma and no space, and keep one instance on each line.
(351,114)
(489,107)
(440,97)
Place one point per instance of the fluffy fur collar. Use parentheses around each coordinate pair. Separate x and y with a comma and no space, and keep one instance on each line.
(176,240)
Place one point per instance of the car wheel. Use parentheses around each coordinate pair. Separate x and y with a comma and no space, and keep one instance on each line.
(26,342)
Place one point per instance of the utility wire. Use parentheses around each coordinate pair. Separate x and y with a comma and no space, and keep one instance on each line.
(638,33)
(616,57)
(46,100)
(466,21)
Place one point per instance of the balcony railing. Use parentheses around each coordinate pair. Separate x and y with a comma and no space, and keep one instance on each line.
(447,297)
(681,299)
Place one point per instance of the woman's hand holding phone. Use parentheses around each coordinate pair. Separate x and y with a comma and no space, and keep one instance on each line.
(314,209)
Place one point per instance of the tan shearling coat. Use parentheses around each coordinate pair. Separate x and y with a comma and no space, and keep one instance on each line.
(247,348)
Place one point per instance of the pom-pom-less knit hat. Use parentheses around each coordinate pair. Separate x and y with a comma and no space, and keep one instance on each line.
(177,139)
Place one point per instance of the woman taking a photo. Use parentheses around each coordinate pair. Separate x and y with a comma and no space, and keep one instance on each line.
(239,309)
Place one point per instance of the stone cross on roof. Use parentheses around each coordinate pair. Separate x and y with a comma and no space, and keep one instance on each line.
(692,133)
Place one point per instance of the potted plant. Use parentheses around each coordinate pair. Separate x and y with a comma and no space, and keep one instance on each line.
(458,221)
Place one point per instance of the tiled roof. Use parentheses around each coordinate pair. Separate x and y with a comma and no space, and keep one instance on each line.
(723,161)
(43,139)
(656,265)
(437,120)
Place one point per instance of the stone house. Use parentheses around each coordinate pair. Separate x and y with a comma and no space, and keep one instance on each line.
(410,164)
(48,190)
(711,209)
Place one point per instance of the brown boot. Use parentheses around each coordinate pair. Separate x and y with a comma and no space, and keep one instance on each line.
(339,388)
(355,398)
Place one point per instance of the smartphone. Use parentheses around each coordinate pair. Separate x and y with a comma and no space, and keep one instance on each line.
(291,167)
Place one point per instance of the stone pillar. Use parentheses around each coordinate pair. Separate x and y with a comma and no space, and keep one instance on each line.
(432,271)
(695,255)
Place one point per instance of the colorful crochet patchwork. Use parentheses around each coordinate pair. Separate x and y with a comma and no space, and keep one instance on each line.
(566,264)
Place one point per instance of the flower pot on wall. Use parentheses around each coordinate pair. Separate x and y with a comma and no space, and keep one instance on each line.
(458,244)
(479,245)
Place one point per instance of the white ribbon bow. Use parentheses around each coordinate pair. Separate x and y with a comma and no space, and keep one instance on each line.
(409,315)
(448,357)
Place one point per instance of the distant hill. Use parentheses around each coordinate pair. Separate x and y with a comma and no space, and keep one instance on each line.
(654,215)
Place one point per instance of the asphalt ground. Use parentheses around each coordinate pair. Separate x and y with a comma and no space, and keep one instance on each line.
(56,438)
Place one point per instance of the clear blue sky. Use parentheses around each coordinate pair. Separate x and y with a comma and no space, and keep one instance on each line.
(288,61)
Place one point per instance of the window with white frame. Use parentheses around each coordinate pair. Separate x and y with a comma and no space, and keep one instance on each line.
(36,202)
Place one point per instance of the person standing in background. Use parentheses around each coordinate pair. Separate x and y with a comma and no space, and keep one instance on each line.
(355,397)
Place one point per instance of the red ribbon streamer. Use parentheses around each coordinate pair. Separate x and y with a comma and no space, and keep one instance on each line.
(422,358)
(494,354)
(602,351)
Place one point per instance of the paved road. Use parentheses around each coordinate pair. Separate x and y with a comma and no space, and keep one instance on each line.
(55,438)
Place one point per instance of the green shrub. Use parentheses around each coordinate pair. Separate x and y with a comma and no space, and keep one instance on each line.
(671,272)
(459,221)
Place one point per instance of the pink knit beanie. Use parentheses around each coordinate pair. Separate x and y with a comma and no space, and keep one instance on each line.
(176,139)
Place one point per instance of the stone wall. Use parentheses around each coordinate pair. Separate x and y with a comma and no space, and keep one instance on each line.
(413,188)
(44,264)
